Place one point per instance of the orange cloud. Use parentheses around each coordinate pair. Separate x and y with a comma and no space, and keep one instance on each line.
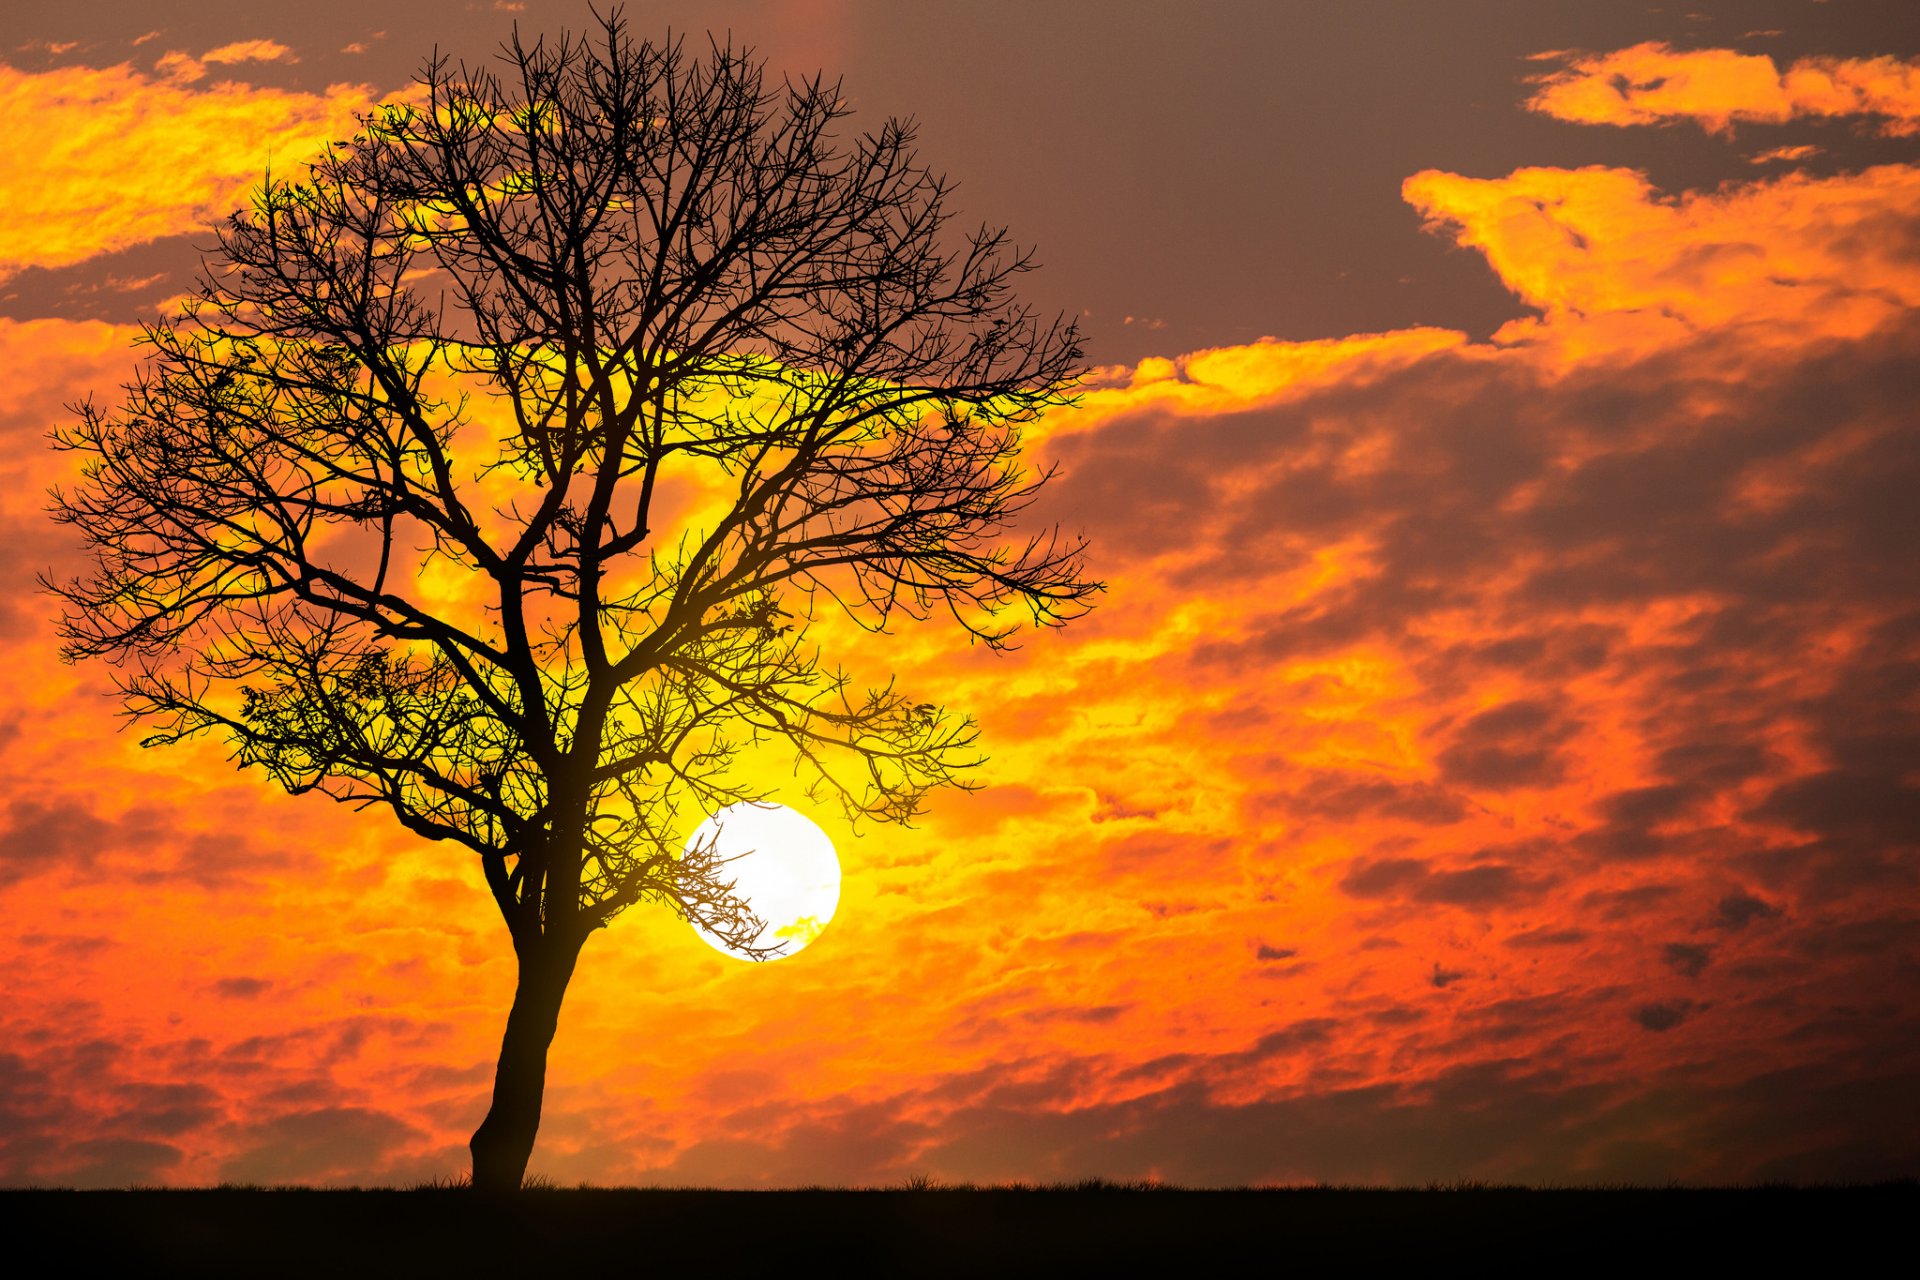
(1614,265)
(1230,379)
(1483,747)
(114,158)
(1785,155)
(1653,83)
(248,51)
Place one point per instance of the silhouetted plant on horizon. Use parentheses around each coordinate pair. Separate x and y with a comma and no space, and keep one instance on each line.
(489,333)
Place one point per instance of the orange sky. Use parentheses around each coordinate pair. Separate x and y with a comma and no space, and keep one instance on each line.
(1497,754)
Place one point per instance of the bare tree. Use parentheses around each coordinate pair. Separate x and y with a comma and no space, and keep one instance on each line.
(490,332)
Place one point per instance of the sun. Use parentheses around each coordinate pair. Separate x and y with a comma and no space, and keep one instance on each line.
(782,865)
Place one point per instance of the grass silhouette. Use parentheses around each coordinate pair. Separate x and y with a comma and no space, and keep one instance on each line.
(924,1226)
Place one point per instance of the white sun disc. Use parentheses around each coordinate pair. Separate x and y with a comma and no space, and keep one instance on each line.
(782,865)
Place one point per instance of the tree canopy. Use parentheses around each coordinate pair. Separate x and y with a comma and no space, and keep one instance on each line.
(503,460)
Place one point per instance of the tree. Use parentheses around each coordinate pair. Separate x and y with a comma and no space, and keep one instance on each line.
(488,334)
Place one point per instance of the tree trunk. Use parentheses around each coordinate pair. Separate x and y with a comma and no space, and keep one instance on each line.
(503,1143)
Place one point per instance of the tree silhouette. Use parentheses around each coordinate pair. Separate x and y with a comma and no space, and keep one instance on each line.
(507,330)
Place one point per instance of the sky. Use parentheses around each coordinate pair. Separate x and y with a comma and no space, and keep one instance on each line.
(1496,754)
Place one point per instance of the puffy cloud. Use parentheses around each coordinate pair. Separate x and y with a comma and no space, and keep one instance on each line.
(325,1144)
(1458,711)
(1616,267)
(248,51)
(1502,1120)
(115,157)
(1738,910)
(1553,633)
(1234,379)
(1653,83)
(1785,155)
(1688,958)
(184,68)
(1664,1015)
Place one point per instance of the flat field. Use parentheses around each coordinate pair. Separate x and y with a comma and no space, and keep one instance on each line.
(1078,1230)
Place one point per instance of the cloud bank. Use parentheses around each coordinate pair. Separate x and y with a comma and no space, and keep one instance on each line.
(1492,760)
(1653,83)
(114,156)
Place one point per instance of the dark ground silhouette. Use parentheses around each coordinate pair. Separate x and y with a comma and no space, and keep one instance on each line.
(1072,1231)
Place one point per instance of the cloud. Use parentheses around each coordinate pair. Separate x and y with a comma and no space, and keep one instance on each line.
(183,68)
(1548,937)
(1482,885)
(1513,745)
(1502,1120)
(1343,797)
(323,1145)
(1738,910)
(1617,268)
(118,1162)
(248,51)
(1664,1015)
(1473,672)
(116,157)
(1653,83)
(1686,958)
(64,836)
(40,837)
(1785,155)
(87,1103)
(1576,632)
